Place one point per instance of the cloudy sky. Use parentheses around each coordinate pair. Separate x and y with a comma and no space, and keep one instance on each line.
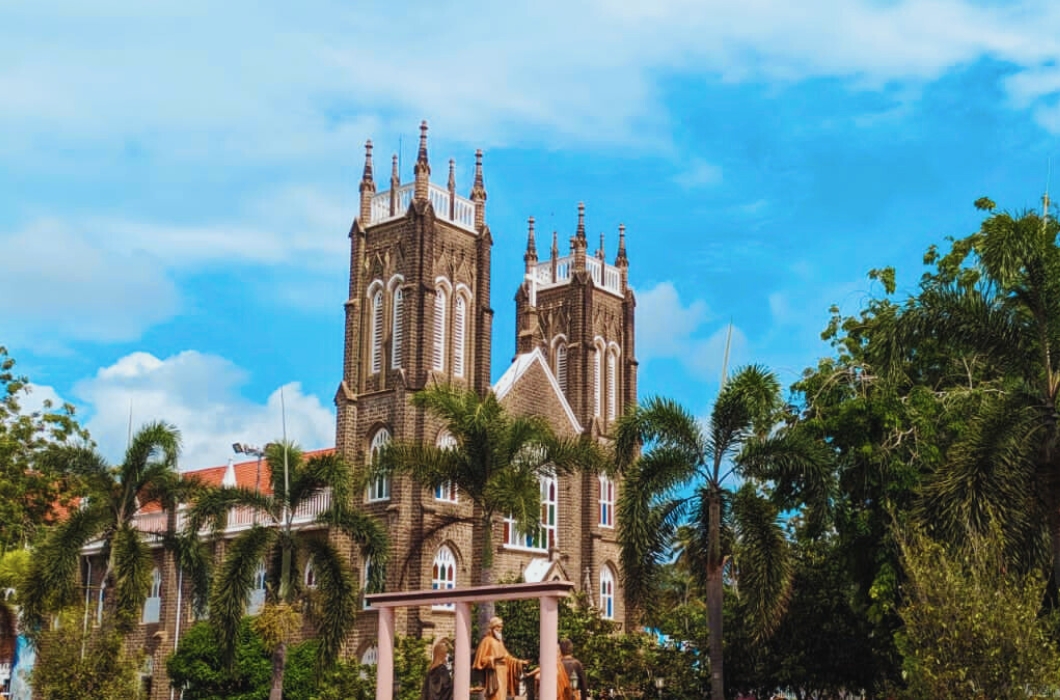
(177,178)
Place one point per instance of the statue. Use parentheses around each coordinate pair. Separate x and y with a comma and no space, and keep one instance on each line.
(438,685)
(500,669)
(564,690)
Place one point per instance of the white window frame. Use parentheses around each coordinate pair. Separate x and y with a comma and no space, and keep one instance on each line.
(397,327)
(256,596)
(560,344)
(547,531)
(460,334)
(607,593)
(446,492)
(441,310)
(153,604)
(379,489)
(443,574)
(377,332)
(612,383)
(607,501)
(598,370)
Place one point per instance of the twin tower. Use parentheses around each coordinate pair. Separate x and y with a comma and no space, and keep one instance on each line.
(419,315)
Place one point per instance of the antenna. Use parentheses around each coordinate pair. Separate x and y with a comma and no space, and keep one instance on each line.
(725,360)
(286,477)
(1045,197)
(128,444)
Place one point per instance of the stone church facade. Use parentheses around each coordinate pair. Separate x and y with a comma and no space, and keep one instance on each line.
(419,314)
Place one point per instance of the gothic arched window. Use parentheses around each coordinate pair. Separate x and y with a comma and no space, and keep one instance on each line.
(612,384)
(397,331)
(310,575)
(607,501)
(446,491)
(561,365)
(257,593)
(441,304)
(377,332)
(379,488)
(598,370)
(459,335)
(443,574)
(607,593)
(153,604)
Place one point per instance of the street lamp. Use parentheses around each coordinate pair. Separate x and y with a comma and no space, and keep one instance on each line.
(660,683)
(251,451)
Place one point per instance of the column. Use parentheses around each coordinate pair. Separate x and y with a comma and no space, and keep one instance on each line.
(549,653)
(462,653)
(384,682)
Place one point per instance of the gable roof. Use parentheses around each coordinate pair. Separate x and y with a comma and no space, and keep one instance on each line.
(518,370)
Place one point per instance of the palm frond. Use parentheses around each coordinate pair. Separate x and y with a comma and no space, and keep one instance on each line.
(764,560)
(233,582)
(132,573)
(335,611)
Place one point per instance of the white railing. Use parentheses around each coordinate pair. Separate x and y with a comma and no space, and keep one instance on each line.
(463,209)
(606,277)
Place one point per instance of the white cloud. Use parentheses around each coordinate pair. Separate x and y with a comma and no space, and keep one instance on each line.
(200,394)
(699,173)
(574,72)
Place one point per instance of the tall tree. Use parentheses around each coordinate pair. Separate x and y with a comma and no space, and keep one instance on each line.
(114,494)
(687,471)
(30,487)
(497,462)
(286,547)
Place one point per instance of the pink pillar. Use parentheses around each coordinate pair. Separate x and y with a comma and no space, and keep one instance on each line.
(462,653)
(384,680)
(549,646)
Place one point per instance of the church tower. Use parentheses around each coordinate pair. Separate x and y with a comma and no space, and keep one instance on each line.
(417,315)
(579,311)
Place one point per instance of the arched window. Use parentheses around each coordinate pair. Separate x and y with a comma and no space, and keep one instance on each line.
(397,331)
(441,304)
(607,593)
(153,604)
(257,593)
(310,575)
(446,491)
(379,489)
(459,335)
(612,384)
(607,501)
(561,366)
(443,574)
(598,359)
(377,332)
(370,657)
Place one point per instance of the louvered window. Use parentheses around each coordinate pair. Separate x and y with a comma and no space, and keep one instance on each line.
(459,335)
(397,333)
(561,366)
(377,332)
(612,380)
(439,329)
(597,371)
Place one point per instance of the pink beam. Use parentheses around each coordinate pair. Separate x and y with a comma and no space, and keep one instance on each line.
(384,679)
(549,643)
(462,652)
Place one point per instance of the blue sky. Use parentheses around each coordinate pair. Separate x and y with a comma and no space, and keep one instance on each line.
(177,178)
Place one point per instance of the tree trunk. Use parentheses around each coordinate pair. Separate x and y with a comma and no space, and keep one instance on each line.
(279,661)
(486,609)
(715,595)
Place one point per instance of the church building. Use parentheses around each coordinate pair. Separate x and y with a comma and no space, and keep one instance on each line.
(419,314)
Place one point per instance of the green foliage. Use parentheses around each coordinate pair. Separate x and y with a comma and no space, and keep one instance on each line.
(410,665)
(199,668)
(972,628)
(75,664)
(31,486)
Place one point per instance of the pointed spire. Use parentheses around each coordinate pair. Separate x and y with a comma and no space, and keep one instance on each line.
(395,184)
(478,193)
(621,257)
(452,189)
(600,250)
(581,220)
(555,245)
(530,258)
(422,170)
(367,187)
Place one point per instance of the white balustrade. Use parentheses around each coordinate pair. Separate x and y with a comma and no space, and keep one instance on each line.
(463,209)
(606,277)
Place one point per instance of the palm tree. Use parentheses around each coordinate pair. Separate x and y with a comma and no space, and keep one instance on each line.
(495,460)
(993,306)
(113,495)
(683,476)
(286,547)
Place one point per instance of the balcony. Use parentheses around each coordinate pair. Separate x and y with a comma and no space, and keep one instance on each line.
(605,277)
(463,214)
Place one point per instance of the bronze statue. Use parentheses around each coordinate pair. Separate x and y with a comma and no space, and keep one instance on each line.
(500,669)
(438,685)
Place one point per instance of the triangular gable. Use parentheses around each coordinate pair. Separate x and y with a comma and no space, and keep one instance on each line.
(528,372)
(540,569)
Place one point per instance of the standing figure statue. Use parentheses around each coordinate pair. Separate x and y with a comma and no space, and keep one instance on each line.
(438,685)
(500,669)
(564,688)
